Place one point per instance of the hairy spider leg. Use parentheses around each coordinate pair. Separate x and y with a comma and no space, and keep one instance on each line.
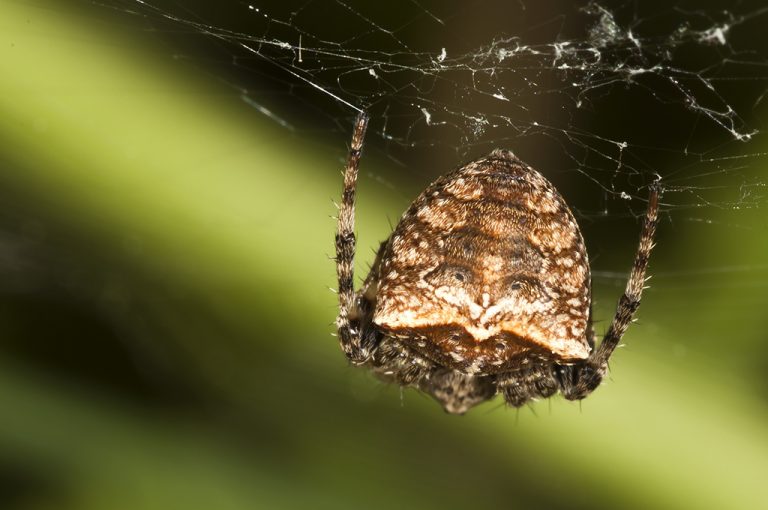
(348,321)
(585,377)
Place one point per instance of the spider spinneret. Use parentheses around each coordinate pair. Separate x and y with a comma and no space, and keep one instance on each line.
(483,287)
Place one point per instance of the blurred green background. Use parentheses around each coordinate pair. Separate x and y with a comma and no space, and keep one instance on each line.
(165,318)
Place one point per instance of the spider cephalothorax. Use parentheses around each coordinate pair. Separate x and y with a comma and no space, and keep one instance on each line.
(482,288)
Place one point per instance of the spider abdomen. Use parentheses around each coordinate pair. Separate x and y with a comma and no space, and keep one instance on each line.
(487,271)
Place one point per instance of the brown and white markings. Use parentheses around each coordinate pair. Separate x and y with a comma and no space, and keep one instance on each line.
(482,288)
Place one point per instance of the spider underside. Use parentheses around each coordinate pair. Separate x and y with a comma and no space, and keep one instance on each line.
(483,288)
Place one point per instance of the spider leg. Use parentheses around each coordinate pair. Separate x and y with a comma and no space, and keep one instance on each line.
(348,321)
(588,375)
(630,300)
(394,362)
(538,380)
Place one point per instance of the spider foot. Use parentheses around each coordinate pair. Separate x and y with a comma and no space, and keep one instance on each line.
(359,349)
(578,381)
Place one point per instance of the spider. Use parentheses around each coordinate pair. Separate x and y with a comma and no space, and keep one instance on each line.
(482,288)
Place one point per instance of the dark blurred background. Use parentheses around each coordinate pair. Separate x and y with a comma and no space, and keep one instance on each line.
(167,172)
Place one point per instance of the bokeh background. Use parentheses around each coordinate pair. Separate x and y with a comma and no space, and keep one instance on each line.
(165,316)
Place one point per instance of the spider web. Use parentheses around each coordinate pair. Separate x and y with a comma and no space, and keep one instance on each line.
(615,91)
